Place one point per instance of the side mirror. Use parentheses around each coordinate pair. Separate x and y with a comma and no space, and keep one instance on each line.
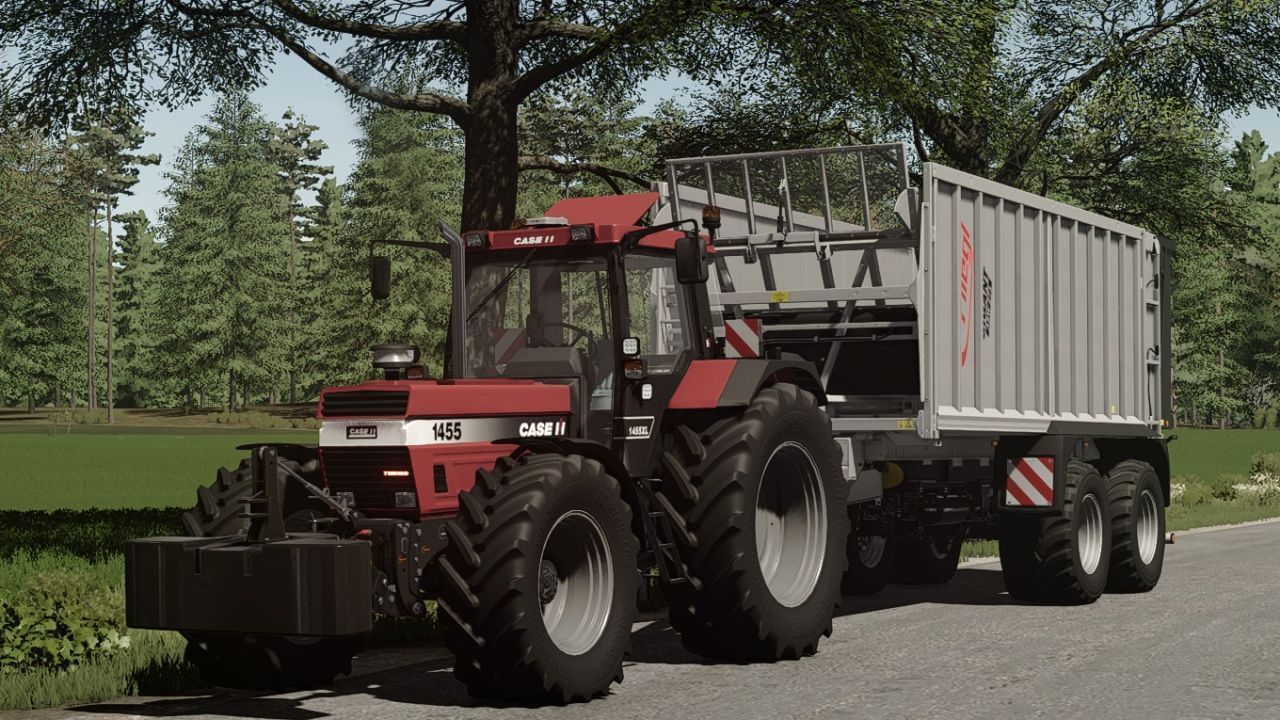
(380,276)
(691,259)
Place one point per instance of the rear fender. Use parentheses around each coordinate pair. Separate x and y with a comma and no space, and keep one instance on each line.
(724,383)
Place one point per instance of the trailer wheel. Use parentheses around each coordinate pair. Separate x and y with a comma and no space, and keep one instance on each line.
(1061,557)
(928,560)
(538,582)
(1137,527)
(254,662)
(869,558)
(762,499)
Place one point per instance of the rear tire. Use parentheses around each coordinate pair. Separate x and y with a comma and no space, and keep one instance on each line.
(260,662)
(1061,557)
(762,499)
(1137,527)
(928,560)
(538,582)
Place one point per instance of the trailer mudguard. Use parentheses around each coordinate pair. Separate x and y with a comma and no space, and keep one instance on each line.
(709,384)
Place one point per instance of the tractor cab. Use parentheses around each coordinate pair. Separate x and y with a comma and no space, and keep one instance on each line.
(585,297)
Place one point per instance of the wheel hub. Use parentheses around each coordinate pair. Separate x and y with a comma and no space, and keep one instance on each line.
(791,524)
(575,582)
(1089,534)
(548,582)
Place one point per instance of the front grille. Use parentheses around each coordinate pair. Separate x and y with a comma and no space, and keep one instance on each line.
(364,403)
(359,472)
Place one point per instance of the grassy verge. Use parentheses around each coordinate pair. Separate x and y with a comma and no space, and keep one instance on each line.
(118,470)
(152,665)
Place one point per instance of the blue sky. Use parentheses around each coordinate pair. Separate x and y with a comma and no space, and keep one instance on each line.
(294,84)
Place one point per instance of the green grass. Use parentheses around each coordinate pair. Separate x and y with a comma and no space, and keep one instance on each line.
(152,665)
(118,470)
(1210,453)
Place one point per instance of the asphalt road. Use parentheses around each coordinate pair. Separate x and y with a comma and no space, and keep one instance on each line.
(1204,644)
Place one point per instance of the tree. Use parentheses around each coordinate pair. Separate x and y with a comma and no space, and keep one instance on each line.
(107,153)
(295,154)
(983,86)
(410,167)
(497,52)
(223,282)
(41,286)
(135,298)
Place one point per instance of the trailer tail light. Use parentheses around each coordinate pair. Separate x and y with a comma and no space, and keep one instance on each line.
(1029,482)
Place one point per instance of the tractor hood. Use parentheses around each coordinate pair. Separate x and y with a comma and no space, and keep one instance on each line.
(444,398)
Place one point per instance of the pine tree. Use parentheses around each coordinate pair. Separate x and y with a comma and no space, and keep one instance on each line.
(41,288)
(135,302)
(295,154)
(407,180)
(223,282)
(107,153)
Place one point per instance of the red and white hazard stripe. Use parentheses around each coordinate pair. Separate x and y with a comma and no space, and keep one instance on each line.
(1030,482)
(742,337)
(506,343)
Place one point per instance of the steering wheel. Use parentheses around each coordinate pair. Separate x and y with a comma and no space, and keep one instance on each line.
(579,333)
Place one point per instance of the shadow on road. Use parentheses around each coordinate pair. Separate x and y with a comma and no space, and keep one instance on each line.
(432,683)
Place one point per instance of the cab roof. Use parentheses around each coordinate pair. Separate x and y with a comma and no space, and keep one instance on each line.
(609,217)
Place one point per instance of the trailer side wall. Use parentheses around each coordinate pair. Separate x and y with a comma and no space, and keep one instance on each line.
(1035,316)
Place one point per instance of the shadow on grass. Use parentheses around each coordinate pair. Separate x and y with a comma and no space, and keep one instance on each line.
(95,535)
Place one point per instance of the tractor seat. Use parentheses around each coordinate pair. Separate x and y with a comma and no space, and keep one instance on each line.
(559,366)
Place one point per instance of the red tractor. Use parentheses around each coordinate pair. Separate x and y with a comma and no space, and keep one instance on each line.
(875,373)
(590,431)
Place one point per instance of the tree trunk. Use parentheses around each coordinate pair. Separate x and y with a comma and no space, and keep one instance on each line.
(31,399)
(204,398)
(244,400)
(293,307)
(90,379)
(57,395)
(231,391)
(492,164)
(111,318)
(492,144)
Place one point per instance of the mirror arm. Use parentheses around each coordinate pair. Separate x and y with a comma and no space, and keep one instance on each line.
(630,239)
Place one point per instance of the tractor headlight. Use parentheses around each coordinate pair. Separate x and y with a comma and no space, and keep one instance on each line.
(394,355)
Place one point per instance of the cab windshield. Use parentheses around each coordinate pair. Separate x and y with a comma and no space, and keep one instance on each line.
(539,298)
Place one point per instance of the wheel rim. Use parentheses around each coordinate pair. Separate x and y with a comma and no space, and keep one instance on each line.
(791,524)
(1089,534)
(1148,527)
(575,583)
(940,548)
(871,550)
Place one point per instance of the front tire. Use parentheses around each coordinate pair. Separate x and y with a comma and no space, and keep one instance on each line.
(1137,527)
(1061,557)
(762,498)
(261,662)
(538,582)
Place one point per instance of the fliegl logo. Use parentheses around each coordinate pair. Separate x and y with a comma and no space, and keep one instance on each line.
(550,428)
(966,291)
(534,240)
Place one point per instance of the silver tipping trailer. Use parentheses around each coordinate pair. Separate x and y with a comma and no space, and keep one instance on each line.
(992,359)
